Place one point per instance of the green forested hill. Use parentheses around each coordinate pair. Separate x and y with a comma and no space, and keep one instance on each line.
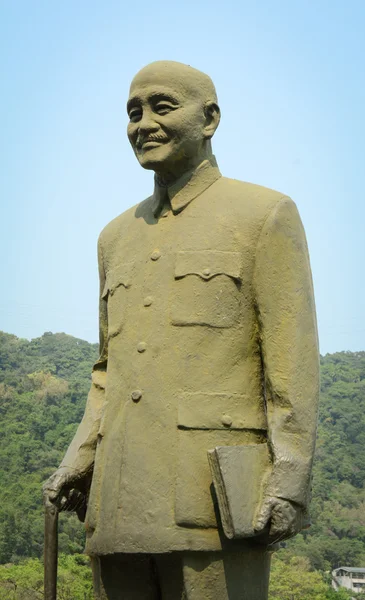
(43,388)
(337,535)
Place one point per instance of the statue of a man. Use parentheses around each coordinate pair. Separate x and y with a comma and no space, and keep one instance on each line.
(207,339)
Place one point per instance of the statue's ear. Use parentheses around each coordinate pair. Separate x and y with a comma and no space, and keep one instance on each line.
(212,117)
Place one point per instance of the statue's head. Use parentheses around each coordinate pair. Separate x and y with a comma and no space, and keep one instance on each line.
(173,114)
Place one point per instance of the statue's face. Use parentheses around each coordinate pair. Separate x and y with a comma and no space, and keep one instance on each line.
(166,124)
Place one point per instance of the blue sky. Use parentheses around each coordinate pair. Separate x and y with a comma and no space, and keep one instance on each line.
(291,84)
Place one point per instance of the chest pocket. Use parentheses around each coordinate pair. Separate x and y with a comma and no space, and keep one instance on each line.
(206,289)
(116,289)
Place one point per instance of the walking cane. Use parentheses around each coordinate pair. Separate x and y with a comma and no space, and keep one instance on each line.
(50,551)
(74,501)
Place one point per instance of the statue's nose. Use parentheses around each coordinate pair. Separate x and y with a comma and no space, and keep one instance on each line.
(147,122)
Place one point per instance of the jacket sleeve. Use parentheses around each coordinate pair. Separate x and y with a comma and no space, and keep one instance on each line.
(81,451)
(289,346)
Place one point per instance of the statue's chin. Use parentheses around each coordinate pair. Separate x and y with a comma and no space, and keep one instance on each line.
(165,160)
(158,160)
(154,158)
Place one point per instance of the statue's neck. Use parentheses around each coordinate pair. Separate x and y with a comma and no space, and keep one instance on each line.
(169,176)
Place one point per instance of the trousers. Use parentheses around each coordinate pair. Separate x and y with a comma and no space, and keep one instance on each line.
(183,576)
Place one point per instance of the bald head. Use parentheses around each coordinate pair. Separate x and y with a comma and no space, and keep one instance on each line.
(173,114)
(178,76)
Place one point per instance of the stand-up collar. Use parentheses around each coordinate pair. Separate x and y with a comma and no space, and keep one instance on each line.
(187,187)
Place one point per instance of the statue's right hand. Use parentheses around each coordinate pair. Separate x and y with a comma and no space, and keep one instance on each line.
(67,490)
(57,487)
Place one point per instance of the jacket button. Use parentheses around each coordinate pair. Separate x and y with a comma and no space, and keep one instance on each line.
(147,301)
(227,420)
(136,395)
(206,272)
(155,255)
(141,346)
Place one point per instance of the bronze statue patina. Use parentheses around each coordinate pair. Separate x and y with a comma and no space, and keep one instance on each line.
(208,344)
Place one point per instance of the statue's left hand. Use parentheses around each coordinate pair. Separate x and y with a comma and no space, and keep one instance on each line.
(281,518)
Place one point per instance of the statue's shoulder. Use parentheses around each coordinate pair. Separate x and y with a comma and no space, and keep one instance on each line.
(257,197)
(120,224)
(247,202)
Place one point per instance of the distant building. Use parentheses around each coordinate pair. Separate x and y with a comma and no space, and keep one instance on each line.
(351,578)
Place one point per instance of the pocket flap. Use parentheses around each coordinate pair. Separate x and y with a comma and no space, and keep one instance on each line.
(207,264)
(120,275)
(204,410)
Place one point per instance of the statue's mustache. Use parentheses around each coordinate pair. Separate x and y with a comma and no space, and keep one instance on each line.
(154,137)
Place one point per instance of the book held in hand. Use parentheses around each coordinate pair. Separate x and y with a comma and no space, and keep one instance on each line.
(239,474)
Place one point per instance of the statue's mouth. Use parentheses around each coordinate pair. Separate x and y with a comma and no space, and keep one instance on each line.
(151,142)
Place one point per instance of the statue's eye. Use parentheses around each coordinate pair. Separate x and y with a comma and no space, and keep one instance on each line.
(135,114)
(163,108)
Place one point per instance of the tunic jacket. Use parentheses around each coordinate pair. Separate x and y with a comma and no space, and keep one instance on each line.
(207,338)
